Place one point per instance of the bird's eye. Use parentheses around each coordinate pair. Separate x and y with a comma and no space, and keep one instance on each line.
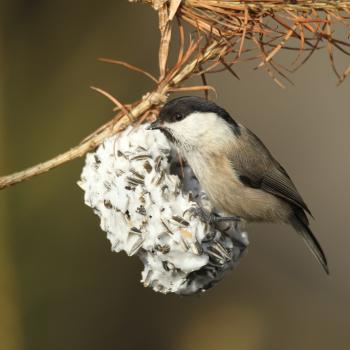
(178,117)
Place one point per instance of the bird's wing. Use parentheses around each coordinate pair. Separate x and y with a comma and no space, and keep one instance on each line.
(257,168)
(280,184)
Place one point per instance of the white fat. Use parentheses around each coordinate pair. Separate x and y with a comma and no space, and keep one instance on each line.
(128,184)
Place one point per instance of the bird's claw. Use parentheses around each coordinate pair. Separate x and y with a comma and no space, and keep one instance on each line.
(199,212)
(217,218)
(211,218)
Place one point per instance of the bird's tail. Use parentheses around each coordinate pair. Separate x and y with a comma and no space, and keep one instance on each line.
(300,223)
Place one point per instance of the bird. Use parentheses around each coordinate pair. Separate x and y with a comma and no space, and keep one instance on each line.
(237,171)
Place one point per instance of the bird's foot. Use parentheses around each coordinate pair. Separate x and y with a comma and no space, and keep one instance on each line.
(211,218)
(217,218)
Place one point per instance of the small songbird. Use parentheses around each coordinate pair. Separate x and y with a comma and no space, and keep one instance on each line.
(237,171)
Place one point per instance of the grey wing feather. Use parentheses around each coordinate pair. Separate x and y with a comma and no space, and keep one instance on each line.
(279,184)
(264,171)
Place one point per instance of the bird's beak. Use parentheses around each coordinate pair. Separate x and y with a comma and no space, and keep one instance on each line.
(155,125)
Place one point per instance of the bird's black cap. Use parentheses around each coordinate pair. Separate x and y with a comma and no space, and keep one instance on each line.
(179,108)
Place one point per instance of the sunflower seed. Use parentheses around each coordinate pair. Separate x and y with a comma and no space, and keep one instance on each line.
(115,245)
(134,230)
(147,280)
(164,187)
(138,175)
(141,157)
(209,237)
(219,248)
(166,227)
(158,162)
(120,172)
(214,253)
(108,204)
(196,248)
(97,159)
(135,181)
(127,216)
(181,221)
(136,247)
(165,266)
(107,185)
(217,257)
(121,154)
(184,244)
(160,178)
(168,266)
(147,166)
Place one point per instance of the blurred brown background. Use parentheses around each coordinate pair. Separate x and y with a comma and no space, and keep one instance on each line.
(62,288)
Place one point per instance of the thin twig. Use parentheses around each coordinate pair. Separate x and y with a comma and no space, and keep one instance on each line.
(165,37)
(129,66)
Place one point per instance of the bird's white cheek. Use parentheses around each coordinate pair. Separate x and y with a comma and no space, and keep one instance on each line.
(186,132)
(202,131)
